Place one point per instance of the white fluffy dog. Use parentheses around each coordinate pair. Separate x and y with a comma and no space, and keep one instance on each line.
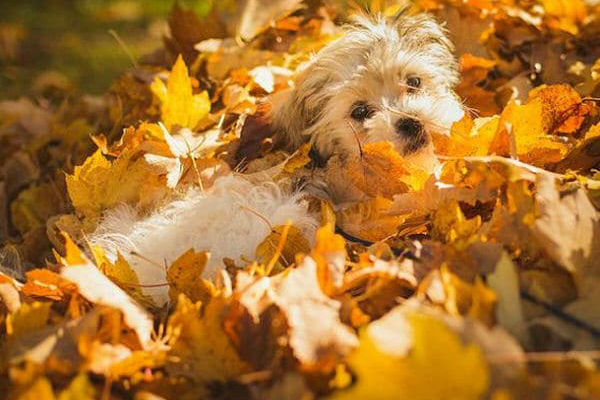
(383,80)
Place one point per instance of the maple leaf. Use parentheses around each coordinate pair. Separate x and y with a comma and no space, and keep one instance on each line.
(98,288)
(28,318)
(203,350)
(521,132)
(438,366)
(39,389)
(278,250)
(99,184)
(179,106)
(80,388)
(122,275)
(381,171)
(372,220)
(467,137)
(185,277)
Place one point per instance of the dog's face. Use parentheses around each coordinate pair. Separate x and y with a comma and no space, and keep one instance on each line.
(383,80)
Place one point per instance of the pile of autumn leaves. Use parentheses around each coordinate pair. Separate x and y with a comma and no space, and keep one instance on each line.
(433,310)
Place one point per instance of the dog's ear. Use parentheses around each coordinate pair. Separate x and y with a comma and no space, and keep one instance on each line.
(296,109)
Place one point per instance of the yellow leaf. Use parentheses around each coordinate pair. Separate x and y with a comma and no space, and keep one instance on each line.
(370,220)
(438,366)
(80,388)
(134,365)
(329,254)
(40,389)
(97,288)
(35,205)
(179,106)
(123,276)
(521,132)
(99,184)
(294,243)
(565,14)
(467,137)
(185,276)
(28,318)
(299,159)
(73,254)
(450,224)
(202,350)
(381,171)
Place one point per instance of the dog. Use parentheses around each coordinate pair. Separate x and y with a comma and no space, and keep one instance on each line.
(384,80)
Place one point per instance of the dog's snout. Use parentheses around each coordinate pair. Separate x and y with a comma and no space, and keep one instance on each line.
(408,127)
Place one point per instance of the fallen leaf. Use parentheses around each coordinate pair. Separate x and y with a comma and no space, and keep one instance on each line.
(439,365)
(201,350)
(185,277)
(98,184)
(28,318)
(179,106)
(381,171)
(99,289)
(80,388)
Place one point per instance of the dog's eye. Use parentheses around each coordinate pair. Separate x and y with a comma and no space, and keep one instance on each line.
(360,111)
(413,82)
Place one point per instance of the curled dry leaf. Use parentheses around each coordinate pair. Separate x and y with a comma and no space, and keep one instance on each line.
(99,289)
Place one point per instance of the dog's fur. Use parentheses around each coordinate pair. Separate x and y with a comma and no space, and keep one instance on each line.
(372,64)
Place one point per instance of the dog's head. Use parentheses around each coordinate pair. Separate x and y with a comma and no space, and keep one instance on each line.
(383,80)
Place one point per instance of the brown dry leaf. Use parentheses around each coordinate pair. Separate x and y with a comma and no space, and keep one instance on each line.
(187,28)
(201,350)
(381,171)
(185,277)
(585,155)
(258,14)
(371,220)
(567,227)
(474,70)
(382,285)
(563,110)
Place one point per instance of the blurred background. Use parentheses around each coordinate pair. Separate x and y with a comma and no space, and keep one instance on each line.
(83,43)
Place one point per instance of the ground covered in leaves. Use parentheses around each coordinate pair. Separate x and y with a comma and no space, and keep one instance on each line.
(483,279)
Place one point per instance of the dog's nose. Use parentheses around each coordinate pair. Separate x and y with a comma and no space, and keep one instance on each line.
(409,127)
